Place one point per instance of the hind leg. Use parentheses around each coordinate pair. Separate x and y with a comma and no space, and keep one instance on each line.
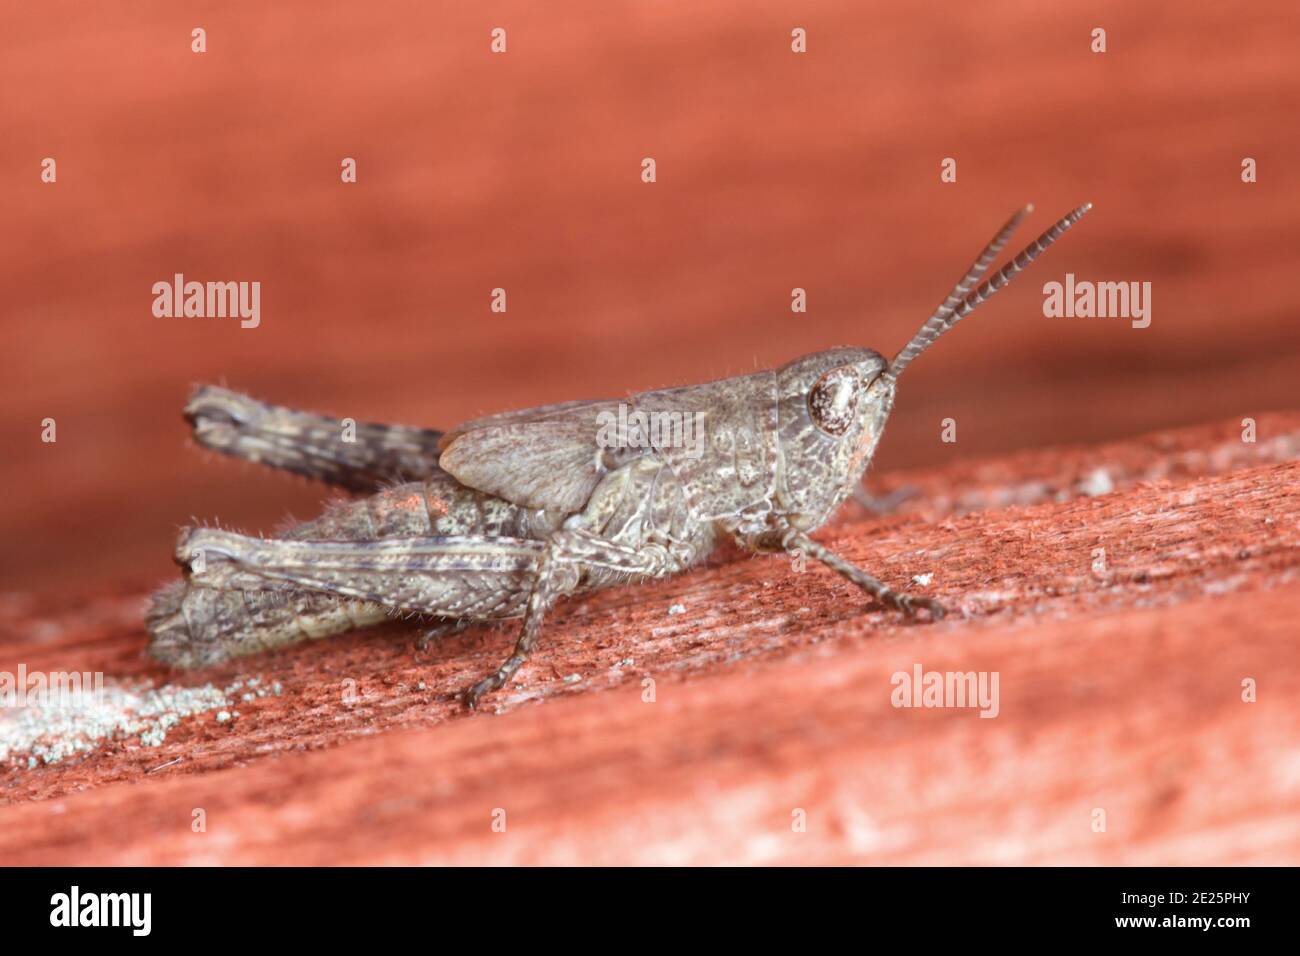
(359,456)
(471,577)
(197,627)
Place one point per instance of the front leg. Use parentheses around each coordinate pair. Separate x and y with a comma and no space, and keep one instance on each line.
(798,541)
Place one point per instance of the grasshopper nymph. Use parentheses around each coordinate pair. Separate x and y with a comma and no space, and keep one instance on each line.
(501,516)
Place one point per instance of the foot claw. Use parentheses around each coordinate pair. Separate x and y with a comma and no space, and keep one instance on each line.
(430,634)
(485,686)
(498,679)
(908,605)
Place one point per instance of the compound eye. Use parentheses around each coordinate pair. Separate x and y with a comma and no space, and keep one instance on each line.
(833,401)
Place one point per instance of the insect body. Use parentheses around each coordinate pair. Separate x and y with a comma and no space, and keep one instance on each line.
(503,515)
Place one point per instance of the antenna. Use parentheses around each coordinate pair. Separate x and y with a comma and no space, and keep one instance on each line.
(961,302)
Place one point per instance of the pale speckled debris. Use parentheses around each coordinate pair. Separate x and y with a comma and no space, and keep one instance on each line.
(31,736)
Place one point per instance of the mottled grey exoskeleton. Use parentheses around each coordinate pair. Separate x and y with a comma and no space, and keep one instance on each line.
(503,515)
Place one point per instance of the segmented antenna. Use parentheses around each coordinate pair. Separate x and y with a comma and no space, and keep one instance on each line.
(961,302)
(935,324)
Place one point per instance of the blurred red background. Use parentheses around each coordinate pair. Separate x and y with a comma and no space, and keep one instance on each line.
(522,171)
